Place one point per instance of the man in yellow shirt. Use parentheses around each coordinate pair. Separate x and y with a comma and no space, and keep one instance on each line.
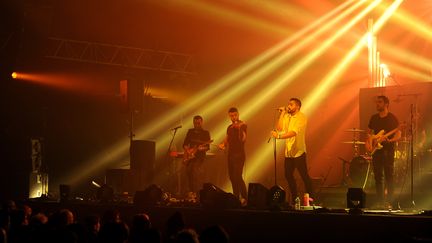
(291,126)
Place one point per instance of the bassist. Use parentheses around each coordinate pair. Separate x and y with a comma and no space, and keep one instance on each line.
(383,131)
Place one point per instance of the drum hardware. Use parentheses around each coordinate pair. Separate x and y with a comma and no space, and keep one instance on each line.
(359,171)
(359,166)
(345,175)
(354,142)
(355,130)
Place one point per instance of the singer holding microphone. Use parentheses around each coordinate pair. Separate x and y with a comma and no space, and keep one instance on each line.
(291,126)
(195,145)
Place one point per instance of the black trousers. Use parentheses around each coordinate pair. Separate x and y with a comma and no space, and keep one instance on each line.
(300,163)
(383,168)
(235,170)
(194,174)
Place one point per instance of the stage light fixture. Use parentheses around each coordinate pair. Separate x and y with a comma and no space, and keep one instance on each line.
(277,196)
(356,198)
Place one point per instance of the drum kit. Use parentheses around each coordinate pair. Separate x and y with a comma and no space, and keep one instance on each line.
(360,166)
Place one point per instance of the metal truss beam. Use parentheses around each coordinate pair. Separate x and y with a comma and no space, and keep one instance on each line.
(5,38)
(117,55)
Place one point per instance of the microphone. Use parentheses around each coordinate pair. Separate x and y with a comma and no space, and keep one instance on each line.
(177,127)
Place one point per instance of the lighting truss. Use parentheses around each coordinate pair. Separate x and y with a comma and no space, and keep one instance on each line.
(118,55)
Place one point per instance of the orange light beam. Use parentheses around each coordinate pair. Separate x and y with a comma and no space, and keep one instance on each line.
(331,78)
(259,100)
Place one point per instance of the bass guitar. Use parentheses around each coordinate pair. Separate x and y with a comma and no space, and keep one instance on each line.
(373,143)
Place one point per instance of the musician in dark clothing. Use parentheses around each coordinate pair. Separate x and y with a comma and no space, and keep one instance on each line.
(383,133)
(234,142)
(195,146)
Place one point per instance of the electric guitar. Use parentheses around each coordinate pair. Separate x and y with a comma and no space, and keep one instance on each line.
(373,143)
(191,152)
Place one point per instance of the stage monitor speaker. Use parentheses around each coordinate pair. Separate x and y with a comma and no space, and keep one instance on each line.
(258,196)
(212,196)
(151,196)
(356,198)
(65,191)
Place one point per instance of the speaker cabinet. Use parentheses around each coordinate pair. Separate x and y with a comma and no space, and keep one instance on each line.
(212,196)
(258,196)
(142,160)
(142,154)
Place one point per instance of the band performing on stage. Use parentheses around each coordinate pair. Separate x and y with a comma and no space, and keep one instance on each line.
(379,158)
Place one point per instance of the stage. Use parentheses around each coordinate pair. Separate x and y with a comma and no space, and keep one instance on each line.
(246,224)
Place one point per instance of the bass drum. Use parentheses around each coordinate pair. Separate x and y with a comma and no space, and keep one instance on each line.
(359,170)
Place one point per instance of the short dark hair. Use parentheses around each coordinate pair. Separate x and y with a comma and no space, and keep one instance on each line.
(384,98)
(232,109)
(297,101)
(197,117)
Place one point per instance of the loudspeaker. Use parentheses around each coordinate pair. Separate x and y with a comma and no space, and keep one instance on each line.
(152,195)
(212,196)
(356,198)
(64,192)
(142,162)
(258,196)
(142,156)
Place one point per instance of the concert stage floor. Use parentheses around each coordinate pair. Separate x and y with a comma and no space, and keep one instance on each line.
(248,225)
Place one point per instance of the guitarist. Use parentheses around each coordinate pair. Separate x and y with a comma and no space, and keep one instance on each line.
(383,131)
(195,146)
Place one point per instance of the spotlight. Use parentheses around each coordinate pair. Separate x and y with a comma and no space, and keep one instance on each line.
(14,75)
(277,197)
(94,183)
(356,200)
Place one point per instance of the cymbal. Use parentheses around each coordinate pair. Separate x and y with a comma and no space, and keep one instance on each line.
(354,142)
(354,130)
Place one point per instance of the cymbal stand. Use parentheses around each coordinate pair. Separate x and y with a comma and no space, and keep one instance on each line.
(355,145)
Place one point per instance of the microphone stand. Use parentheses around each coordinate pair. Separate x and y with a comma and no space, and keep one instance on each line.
(172,139)
(167,158)
(412,155)
(277,193)
(274,151)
